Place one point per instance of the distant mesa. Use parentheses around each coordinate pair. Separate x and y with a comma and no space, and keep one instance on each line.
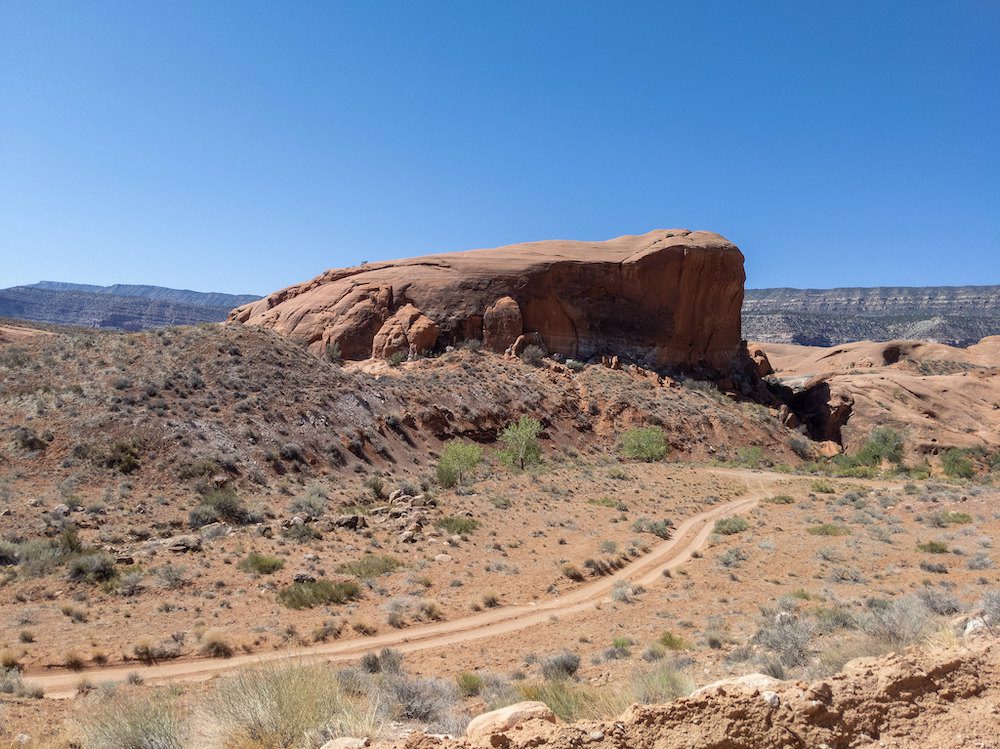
(118,307)
(953,315)
(668,297)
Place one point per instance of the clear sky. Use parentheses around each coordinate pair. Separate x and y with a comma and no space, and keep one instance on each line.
(243,146)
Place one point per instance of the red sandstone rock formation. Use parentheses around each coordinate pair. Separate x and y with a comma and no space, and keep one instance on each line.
(669,297)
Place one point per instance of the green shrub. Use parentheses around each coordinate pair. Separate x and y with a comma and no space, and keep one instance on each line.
(673,642)
(8,553)
(933,547)
(660,528)
(956,464)
(96,567)
(949,517)
(822,486)
(262,564)
(883,445)
(201,516)
(659,685)
(332,353)
(752,457)
(123,456)
(227,506)
(457,524)
(370,566)
(458,458)
(533,355)
(306,595)
(520,443)
(730,526)
(469,684)
(312,504)
(828,529)
(569,701)
(644,443)
(781,499)
(562,665)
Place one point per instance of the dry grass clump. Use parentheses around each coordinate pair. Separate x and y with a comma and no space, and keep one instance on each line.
(731,526)
(132,722)
(573,701)
(899,623)
(370,566)
(294,706)
(215,644)
(306,595)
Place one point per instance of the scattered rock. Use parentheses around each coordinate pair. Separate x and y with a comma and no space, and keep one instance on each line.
(507,718)
(745,683)
(182,544)
(351,522)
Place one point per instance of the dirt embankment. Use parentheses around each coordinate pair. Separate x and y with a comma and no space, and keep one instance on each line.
(949,698)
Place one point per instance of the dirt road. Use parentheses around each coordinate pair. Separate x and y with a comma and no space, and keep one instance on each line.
(688,537)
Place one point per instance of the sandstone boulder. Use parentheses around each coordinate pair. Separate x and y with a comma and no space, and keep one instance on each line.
(746,683)
(759,357)
(407,329)
(507,718)
(502,324)
(669,297)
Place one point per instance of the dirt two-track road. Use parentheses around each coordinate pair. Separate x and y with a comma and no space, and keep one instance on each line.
(688,537)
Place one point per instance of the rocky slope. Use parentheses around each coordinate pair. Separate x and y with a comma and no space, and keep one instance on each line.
(669,297)
(120,307)
(254,403)
(956,315)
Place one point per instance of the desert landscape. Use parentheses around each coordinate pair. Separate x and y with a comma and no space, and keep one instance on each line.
(499,375)
(294,529)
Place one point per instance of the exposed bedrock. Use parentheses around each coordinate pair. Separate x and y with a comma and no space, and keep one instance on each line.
(669,297)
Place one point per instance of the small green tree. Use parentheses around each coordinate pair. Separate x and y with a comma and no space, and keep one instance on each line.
(644,443)
(883,444)
(520,443)
(956,464)
(457,459)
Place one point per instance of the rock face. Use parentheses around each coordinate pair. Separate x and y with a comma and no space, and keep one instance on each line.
(669,297)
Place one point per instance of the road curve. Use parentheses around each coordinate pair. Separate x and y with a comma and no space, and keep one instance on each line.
(687,538)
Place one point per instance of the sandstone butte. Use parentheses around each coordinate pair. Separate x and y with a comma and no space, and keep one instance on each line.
(665,298)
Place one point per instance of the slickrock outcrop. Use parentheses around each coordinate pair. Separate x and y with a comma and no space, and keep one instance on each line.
(936,396)
(669,297)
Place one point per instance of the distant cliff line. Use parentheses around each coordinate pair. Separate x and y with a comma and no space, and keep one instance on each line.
(956,315)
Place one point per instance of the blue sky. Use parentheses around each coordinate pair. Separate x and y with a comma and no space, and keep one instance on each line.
(244,146)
